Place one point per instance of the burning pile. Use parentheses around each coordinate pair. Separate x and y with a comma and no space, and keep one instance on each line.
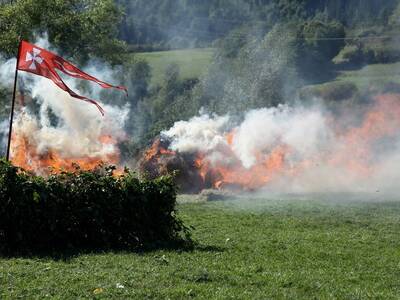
(65,133)
(27,153)
(291,149)
(32,150)
(159,160)
(55,128)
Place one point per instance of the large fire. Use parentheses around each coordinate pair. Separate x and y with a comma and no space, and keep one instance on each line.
(52,132)
(25,154)
(221,167)
(353,152)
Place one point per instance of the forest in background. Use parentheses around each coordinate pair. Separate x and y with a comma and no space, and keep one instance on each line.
(186,23)
(267,52)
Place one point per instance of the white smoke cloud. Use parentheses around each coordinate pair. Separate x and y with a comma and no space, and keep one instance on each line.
(304,130)
(201,133)
(7,71)
(80,125)
(320,158)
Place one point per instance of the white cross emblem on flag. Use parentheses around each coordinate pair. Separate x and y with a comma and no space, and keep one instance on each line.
(34,57)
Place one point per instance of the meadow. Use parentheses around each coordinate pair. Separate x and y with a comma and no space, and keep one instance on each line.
(192,62)
(377,74)
(334,248)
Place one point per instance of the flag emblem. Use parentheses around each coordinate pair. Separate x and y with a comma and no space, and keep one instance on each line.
(36,60)
(34,57)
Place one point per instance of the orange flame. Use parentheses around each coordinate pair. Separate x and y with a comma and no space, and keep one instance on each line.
(156,151)
(354,152)
(381,121)
(24,154)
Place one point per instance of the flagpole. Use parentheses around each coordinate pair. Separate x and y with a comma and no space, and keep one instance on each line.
(13,103)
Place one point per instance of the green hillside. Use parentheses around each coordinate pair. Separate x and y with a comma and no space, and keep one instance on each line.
(192,62)
(377,74)
(352,85)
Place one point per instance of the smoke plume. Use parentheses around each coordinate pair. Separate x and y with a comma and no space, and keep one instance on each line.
(303,149)
(53,129)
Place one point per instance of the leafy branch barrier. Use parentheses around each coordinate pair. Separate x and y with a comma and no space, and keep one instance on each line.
(85,210)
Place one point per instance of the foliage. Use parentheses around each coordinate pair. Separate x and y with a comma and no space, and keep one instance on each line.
(321,42)
(256,74)
(394,19)
(264,50)
(230,46)
(163,105)
(4,94)
(178,23)
(184,23)
(261,69)
(193,63)
(373,45)
(81,28)
(333,91)
(375,76)
(137,79)
(354,12)
(85,210)
(363,54)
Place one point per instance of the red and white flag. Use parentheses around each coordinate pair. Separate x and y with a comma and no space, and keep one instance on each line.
(39,61)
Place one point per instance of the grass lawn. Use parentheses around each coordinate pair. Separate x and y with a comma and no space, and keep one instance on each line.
(250,249)
(372,74)
(375,75)
(192,62)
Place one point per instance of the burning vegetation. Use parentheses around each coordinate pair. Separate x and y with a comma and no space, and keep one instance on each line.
(58,134)
(278,147)
(289,148)
(159,160)
(25,154)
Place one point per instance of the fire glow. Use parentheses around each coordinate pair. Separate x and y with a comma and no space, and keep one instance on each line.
(248,157)
(269,146)
(26,156)
(31,150)
(52,130)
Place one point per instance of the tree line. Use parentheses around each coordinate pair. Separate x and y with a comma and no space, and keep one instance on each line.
(163,24)
(265,50)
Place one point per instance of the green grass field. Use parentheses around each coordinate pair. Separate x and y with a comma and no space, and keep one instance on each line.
(247,249)
(376,76)
(192,62)
(372,74)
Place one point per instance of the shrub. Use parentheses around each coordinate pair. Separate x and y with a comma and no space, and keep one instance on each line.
(322,42)
(332,91)
(350,54)
(385,51)
(86,210)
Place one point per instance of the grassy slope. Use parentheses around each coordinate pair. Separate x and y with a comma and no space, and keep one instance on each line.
(375,75)
(372,74)
(192,62)
(279,249)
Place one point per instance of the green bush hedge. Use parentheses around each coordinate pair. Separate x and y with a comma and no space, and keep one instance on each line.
(85,210)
